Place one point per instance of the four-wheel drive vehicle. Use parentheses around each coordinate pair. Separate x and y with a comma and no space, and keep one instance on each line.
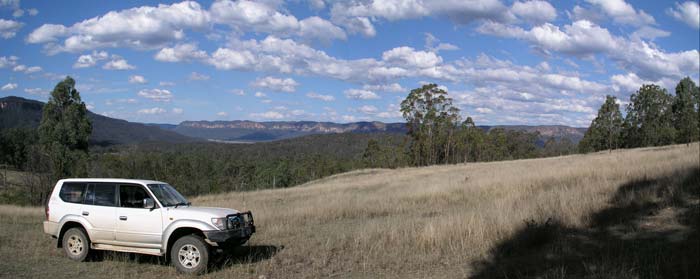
(140,216)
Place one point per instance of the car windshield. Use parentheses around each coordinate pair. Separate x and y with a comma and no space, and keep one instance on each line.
(167,195)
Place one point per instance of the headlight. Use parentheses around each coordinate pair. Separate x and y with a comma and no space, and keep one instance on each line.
(219,223)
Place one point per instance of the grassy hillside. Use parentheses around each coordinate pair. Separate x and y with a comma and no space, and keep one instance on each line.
(625,214)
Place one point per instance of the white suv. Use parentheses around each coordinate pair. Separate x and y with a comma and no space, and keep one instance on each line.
(140,216)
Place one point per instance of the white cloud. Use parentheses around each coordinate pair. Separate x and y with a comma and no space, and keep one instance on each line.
(222,114)
(317,28)
(688,12)
(118,63)
(158,95)
(535,11)
(89,60)
(177,111)
(360,94)
(137,79)
(32,12)
(26,70)
(391,87)
(433,44)
(407,56)
(276,84)
(6,61)
(8,28)
(484,110)
(9,86)
(143,27)
(260,95)
(181,52)
(326,98)
(18,13)
(267,115)
(367,109)
(198,76)
(584,38)
(47,33)
(166,83)
(152,111)
(622,12)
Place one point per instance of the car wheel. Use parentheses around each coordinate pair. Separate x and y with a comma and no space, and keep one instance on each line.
(190,254)
(76,244)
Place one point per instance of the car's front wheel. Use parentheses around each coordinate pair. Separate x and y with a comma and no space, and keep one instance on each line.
(76,244)
(190,254)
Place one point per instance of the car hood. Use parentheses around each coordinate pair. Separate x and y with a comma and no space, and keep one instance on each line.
(203,213)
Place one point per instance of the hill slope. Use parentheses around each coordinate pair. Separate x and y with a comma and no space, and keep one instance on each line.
(20,112)
(581,216)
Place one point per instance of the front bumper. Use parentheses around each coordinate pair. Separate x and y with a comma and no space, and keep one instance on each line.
(240,227)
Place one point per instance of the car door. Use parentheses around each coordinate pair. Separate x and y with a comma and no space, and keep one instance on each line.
(99,209)
(137,226)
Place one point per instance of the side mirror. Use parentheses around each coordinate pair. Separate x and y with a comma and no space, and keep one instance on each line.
(149,203)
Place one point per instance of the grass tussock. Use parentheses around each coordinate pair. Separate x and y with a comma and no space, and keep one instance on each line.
(620,214)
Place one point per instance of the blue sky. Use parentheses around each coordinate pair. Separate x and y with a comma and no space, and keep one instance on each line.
(503,62)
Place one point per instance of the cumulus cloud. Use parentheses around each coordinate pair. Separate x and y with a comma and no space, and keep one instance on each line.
(139,28)
(118,63)
(276,84)
(534,11)
(9,86)
(325,98)
(407,56)
(433,44)
(9,28)
(137,79)
(260,95)
(359,94)
(158,95)
(177,111)
(688,13)
(222,114)
(181,52)
(89,60)
(585,38)
(152,111)
(391,87)
(623,13)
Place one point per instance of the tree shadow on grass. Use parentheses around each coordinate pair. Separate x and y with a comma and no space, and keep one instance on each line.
(650,231)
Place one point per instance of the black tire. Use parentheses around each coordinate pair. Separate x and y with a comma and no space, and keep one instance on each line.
(76,244)
(190,254)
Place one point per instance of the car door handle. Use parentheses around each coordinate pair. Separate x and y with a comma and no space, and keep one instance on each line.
(123,218)
(85,213)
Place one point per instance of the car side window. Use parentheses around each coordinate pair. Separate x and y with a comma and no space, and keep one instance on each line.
(132,196)
(72,192)
(102,194)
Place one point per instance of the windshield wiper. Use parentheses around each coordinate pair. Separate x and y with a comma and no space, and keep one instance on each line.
(183,203)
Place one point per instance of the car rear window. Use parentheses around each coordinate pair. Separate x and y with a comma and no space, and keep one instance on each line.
(100,194)
(72,192)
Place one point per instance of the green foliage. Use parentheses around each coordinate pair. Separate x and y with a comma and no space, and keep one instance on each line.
(65,130)
(15,144)
(605,130)
(431,120)
(685,111)
(649,120)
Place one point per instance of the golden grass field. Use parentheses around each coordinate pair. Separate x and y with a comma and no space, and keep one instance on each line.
(621,214)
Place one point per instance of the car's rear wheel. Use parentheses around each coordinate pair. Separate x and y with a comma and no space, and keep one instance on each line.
(190,254)
(76,244)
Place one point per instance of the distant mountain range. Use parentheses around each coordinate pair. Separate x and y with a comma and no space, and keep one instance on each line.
(21,112)
(16,111)
(251,131)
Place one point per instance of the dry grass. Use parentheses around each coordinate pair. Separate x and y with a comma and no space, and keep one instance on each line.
(434,222)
